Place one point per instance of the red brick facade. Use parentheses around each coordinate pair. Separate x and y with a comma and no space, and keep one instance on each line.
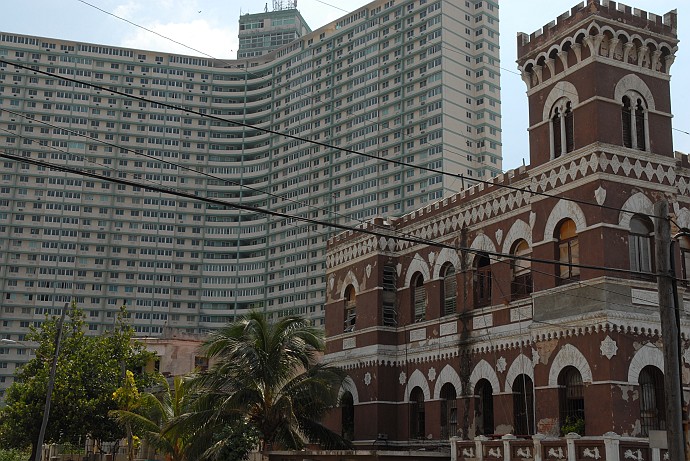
(524,344)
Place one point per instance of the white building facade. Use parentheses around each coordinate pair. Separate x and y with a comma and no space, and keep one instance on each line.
(412,81)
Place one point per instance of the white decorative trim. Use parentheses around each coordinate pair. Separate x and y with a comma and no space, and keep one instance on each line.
(481,243)
(648,354)
(519,230)
(501,364)
(569,355)
(417,379)
(521,365)
(350,279)
(485,371)
(632,82)
(608,347)
(348,385)
(683,218)
(560,90)
(638,203)
(447,375)
(564,209)
(417,265)
(446,255)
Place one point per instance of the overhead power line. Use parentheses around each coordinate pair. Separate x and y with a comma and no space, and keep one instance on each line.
(315,142)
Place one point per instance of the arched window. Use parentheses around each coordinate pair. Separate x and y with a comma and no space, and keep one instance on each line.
(562,128)
(482,280)
(635,121)
(571,398)
(449,411)
(568,251)
(685,257)
(626,116)
(419,298)
(484,407)
(521,285)
(450,289)
(350,308)
(652,400)
(347,407)
(640,245)
(417,417)
(523,405)
(389,296)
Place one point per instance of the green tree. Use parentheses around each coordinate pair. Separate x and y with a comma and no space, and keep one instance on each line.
(127,399)
(89,370)
(153,414)
(265,377)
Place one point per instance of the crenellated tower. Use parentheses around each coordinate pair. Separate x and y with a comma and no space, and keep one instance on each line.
(599,73)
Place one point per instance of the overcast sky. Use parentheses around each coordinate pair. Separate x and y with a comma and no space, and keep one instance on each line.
(211,27)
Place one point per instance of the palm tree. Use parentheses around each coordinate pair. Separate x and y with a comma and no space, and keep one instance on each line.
(267,376)
(152,418)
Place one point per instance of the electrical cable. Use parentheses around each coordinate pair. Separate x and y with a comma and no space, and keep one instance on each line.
(318,143)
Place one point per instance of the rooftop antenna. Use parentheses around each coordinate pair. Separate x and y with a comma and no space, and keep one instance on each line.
(266,8)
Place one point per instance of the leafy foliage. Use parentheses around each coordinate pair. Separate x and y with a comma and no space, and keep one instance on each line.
(266,378)
(89,369)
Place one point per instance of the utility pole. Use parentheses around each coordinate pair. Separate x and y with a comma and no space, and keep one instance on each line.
(51,384)
(669,332)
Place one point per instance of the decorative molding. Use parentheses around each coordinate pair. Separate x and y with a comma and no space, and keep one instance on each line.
(367,378)
(562,89)
(637,203)
(402,379)
(632,82)
(600,195)
(350,279)
(564,209)
(484,371)
(417,265)
(569,355)
(648,354)
(519,230)
(449,328)
(349,343)
(482,321)
(608,347)
(432,374)
(447,375)
(418,334)
(348,385)
(521,365)
(644,297)
(519,314)
(481,243)
(417,379)
(501,364)
(446,255)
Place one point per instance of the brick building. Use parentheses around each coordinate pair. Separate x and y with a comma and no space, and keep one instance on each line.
(463,339)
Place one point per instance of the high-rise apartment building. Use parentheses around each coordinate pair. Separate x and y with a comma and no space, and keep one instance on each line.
(416,81)
(262,33)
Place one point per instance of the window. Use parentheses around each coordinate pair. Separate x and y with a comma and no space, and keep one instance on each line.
(419,298)
(568,251)
(571,396)
(347,408)
(449,411)
(685,258)
(523,405)
(652,400)
(640,246)
(482,280)
(390,313)
(562,127)
(634,121)
(417,417)
(450,289)
(484,408)
(350,312)
(521,284)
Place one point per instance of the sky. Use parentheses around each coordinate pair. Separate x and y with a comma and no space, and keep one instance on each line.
(211,26)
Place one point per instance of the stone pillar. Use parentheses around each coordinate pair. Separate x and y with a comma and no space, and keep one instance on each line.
(611,443)
(506,446)
(537,438)
(570,440)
